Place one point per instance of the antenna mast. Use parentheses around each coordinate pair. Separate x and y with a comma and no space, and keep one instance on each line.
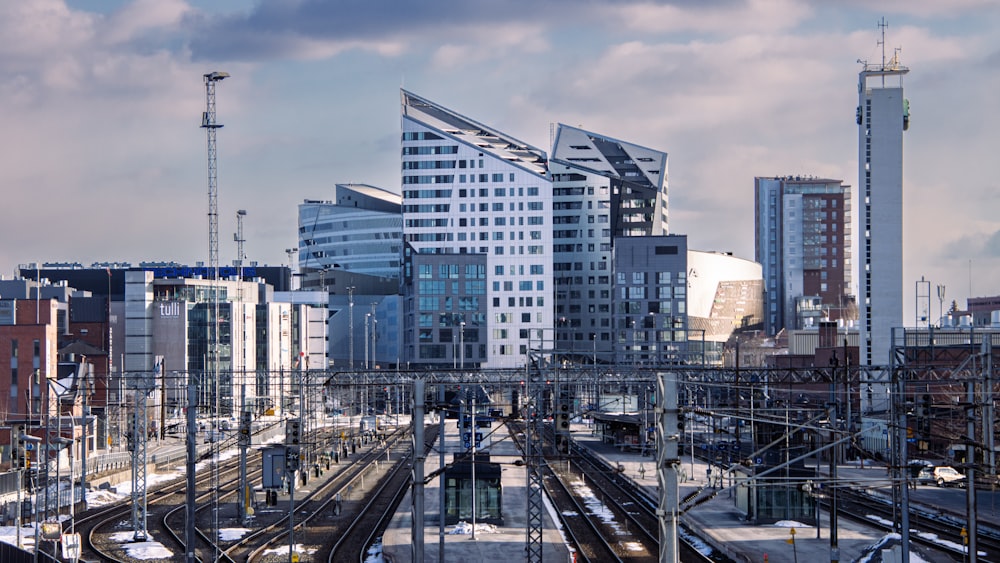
(882,24)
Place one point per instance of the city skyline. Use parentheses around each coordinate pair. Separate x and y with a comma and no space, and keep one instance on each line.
(105,158)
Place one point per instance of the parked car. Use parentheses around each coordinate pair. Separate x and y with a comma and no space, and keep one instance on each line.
(915,466)
(941,475)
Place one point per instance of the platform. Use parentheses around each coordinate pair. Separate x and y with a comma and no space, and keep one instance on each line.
(495,544)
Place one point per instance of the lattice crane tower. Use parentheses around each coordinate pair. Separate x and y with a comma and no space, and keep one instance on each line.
(208,123)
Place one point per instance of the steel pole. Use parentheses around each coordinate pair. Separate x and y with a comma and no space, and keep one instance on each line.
(419,455)
(192,458)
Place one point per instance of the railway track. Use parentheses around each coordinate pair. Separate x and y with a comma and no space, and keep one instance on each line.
(338,521)
(609,519)
(935,532)
(103,527)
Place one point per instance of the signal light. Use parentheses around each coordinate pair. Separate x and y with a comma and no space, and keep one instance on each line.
(293,433)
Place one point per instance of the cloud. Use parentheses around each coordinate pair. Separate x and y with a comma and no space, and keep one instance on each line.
(925,8)
(34,30)
(709,17)
(136,20)
(510,42)
(102,109)
(314,29)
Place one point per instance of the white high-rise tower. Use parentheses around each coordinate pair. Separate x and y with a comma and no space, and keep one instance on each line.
(882,116)
(477,241)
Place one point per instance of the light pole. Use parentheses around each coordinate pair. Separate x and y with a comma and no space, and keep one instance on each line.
(368,317)
(350,325)
(593,337)
(632,351)
(461,345)
(472,424)
(374,340)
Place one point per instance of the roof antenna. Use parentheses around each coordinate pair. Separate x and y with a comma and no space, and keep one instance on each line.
(882,24)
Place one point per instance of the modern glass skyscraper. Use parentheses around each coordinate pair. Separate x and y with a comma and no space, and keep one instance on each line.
(803,242)
(477,230)
(603,188)
(882,116)
(358,232)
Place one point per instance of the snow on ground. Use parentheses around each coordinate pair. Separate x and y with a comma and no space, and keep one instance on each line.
(888,541)
(633,546)
(141,550)
(466,528)
(8,534)
(374,554)
(232,534)
(123,490)
(596,506)
(789,524)
(283,550)
(698,543)
(924,535)
(557,522)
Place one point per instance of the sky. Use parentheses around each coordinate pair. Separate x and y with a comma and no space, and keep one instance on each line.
(104,159)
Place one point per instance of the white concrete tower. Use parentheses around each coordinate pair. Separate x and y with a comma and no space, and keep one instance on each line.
(882,116)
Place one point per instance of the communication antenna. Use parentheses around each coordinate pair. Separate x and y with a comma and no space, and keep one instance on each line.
(882,24)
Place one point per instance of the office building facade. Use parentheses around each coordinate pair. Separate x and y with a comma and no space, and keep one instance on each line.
(803,242)
(358,232)
(650,300)
(477,230)
(602,188)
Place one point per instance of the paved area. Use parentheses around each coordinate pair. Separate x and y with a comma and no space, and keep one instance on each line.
(492,544)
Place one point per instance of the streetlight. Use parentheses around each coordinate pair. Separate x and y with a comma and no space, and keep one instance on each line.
(634,345)
(374,340)
(593,336)
(461,344)
(350,326)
